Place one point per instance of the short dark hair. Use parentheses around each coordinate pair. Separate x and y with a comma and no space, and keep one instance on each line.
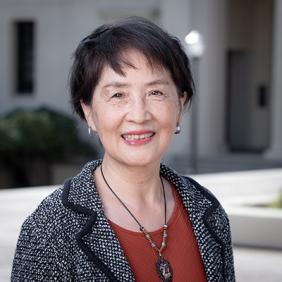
(106,45)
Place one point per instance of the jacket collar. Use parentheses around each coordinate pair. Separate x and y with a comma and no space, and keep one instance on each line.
(98,241)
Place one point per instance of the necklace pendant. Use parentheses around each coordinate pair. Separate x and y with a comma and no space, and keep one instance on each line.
(164,270)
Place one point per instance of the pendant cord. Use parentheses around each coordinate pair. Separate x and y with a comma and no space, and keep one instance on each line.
(163,267)
(139,224)
(165,219)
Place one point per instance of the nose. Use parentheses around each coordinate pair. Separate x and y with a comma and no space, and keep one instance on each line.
(138,111)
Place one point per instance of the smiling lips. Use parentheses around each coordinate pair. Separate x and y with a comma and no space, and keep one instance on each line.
(138,137)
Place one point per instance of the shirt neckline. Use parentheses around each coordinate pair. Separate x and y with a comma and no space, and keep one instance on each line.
(172,218)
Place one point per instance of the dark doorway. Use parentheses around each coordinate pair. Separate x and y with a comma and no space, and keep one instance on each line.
(249,74)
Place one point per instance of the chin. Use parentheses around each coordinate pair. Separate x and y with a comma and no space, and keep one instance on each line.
(141,161)
(137,160)
(136,157)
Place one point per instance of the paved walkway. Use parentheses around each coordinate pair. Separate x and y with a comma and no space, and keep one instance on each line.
(252,265)
(257,265)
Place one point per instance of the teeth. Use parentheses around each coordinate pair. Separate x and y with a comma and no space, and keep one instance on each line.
(131,137)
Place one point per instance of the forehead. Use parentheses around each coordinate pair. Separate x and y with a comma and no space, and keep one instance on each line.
(134,65)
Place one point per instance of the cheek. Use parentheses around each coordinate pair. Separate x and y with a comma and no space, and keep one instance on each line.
(168,118)
(171,113)
(98,114)
(106,121)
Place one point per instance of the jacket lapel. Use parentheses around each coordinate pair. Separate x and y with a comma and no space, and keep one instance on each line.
(96,237)
(201,207)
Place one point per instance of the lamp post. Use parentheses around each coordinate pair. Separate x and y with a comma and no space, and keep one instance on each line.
(195,50)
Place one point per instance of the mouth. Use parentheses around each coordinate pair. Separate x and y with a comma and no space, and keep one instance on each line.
(132,137)
(138,137)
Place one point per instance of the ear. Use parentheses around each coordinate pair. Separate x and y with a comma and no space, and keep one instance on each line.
(182,100)
(88,114)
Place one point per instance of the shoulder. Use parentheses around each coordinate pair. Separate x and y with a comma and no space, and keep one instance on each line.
(206,195)
(197,198)
(215,216)
(41,244)
(205,192)
(61,212)
(46,227)
(52,219)
(188,188)
(201,202)
(49,212)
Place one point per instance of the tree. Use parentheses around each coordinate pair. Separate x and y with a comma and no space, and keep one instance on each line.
(40,137)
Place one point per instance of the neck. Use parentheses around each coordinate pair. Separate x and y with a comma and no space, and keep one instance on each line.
(133,184)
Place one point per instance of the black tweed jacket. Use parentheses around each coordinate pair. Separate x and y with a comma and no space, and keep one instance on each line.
(68,237)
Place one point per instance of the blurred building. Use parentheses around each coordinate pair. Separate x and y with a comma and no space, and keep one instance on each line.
(236,120)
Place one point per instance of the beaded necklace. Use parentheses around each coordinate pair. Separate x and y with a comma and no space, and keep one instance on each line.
(163,267)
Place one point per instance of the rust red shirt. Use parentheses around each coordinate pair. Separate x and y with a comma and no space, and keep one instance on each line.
(182,250)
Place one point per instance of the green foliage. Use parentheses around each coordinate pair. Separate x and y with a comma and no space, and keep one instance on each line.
(40,134)
(278,203)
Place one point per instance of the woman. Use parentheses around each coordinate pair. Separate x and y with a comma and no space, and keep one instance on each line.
(128,217)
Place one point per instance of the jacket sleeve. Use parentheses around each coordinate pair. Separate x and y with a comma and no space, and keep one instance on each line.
(223,232)
(36,257)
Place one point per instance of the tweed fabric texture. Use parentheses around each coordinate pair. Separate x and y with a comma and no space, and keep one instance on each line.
(68,237)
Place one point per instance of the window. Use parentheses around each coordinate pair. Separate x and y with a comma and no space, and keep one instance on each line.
(24,57)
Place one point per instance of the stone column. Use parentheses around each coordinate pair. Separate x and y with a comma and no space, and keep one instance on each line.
(209,18)
(275,150)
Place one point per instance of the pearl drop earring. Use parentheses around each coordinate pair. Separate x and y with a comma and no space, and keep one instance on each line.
(178,129)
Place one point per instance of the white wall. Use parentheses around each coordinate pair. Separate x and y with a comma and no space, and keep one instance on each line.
(59,27)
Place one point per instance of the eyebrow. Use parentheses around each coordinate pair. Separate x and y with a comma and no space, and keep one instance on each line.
(122,84)
(158,82)
(115,84)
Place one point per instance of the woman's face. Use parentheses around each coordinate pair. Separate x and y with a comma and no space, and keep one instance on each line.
(135,115)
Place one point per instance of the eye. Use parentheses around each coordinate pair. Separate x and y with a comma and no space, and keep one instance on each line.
(156,93)
(117,95)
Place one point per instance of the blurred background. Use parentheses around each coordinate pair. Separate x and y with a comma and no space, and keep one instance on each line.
(235,49)
(234,124)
